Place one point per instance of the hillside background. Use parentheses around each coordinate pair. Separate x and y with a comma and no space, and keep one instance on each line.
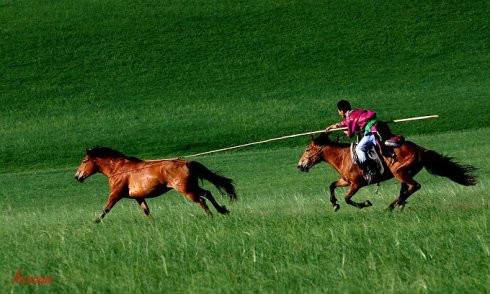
(167,78)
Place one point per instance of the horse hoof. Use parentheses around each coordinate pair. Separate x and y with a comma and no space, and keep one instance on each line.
(97,220)
(336,207)
(367,203)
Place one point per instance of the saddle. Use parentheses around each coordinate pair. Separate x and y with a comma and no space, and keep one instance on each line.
(386,137)
(375,160)
(374,168)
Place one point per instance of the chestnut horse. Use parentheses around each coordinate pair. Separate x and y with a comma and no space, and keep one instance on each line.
(130,177)
(407,161)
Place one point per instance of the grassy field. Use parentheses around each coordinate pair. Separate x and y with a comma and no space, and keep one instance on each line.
(282,236)
(164,78)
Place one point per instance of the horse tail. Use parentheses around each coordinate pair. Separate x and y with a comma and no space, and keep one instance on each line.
(223,184)
(445,166)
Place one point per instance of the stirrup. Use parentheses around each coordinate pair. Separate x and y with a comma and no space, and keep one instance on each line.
(372,174)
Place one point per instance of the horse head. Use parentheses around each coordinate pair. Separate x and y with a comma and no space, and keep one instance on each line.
(313,153)
(87,167)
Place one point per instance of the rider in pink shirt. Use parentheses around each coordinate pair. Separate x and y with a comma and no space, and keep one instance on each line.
(357,120)
(363,122)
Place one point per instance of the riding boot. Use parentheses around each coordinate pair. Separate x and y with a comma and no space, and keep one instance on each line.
(366,171)
(372,171)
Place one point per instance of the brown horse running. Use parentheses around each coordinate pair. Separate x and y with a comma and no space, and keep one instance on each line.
(130,177)
(409,159)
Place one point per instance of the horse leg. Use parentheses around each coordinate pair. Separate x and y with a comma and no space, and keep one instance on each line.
(409,186)
(189,188)
(196,198)
(144,206)
(354,187)
(202,203)
(114,197)
(219,208)
(405,173)
(333,199)
(413,187)
(403,190)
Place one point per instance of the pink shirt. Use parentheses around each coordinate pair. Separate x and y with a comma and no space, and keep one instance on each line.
(356,120)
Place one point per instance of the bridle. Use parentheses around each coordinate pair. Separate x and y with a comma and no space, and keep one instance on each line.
(317,153)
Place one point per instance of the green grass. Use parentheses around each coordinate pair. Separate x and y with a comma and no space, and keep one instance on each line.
(165,78)
(282,236)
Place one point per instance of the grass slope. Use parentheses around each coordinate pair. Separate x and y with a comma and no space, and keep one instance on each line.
(167,78)
(282,236)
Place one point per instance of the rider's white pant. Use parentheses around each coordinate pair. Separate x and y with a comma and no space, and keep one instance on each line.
(364,145)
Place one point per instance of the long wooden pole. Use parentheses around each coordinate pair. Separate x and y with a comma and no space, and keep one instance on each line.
(299,135)
(414,118)
(261,142)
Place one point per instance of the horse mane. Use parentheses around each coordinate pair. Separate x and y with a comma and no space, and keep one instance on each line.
(106,152)
(324,139)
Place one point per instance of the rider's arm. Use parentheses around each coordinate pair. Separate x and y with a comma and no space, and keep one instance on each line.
(335,126)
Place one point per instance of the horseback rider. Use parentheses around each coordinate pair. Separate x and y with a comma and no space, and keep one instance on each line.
(365,123)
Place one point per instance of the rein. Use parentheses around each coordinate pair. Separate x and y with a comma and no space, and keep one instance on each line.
(320,151)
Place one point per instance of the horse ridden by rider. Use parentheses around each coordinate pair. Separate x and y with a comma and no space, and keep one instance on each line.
(399,159)
(374,133)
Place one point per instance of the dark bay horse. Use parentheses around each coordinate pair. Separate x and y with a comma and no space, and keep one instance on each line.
(130,177)
(409,159)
